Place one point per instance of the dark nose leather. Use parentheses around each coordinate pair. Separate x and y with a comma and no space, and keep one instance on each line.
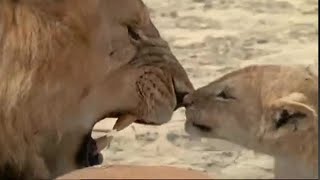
(187,100)
(180,98)
(182,85)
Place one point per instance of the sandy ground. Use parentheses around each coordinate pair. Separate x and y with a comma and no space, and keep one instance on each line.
(211,38)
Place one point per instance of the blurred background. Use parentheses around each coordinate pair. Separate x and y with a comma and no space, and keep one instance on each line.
(211,38)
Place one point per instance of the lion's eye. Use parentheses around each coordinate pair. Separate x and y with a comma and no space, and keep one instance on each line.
(225,95)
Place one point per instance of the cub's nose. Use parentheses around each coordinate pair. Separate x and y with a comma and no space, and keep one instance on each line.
(187,100)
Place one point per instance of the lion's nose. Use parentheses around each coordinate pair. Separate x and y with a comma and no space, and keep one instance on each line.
(187,100)
(180,98)
(183,87)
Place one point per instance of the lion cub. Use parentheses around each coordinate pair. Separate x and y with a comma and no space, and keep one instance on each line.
(269,108)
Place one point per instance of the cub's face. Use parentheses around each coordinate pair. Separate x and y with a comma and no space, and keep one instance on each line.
(226,109)
(266,108)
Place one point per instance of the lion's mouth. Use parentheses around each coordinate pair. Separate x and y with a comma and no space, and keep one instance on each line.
(89,154)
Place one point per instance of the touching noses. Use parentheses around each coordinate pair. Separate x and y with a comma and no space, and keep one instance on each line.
(187,100)
(182,89)
(180,98)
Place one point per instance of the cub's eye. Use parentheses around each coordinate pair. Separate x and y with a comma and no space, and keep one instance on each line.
(225,95)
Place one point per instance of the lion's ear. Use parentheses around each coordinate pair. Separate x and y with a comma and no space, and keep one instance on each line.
(290,111)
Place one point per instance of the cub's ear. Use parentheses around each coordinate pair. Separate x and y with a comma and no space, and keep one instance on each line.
(290,113)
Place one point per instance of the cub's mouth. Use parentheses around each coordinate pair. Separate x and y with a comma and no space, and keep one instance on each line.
(140,121)
(201,127)
(193,121)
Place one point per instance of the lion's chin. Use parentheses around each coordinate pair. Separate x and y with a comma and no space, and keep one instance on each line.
(89,153)
(94,156)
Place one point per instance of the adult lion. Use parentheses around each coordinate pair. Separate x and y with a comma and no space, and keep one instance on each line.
(59,74)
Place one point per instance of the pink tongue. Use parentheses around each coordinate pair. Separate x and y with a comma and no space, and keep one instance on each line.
(124,121)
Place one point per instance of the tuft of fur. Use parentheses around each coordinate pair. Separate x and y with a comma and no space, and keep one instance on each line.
(35,54)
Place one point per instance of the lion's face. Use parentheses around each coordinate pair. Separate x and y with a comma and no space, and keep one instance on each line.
(148,89)
(144,81)
(66,66)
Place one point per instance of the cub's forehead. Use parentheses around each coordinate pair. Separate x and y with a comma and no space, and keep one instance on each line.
(239,75)
(243,78)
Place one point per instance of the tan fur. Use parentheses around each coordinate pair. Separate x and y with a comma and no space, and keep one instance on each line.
(136,172)
(269,108)
(59,63)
